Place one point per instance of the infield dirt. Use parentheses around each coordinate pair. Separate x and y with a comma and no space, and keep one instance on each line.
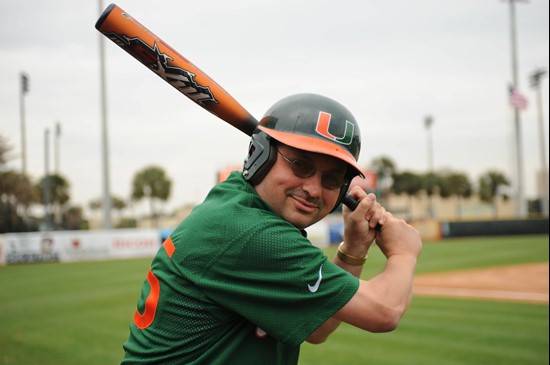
(525,283)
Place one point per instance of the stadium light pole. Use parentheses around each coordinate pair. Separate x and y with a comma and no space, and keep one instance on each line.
(23,90)
(535,79)
(57,137)
(521,204)
(47,221)
(428,122)
(106,205)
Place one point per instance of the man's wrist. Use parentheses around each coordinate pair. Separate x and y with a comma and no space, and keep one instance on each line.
(349,258)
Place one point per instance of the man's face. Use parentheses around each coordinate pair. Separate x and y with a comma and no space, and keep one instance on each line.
(301,201)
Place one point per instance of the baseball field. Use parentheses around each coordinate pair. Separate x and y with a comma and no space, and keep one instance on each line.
(79,313)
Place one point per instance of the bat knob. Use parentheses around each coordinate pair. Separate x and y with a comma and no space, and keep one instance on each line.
(350,202)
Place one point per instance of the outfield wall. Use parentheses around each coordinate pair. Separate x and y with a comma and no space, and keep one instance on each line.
(495,228)
(69,246)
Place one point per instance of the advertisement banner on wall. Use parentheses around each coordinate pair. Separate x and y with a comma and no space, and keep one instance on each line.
(70,246)
(27,247)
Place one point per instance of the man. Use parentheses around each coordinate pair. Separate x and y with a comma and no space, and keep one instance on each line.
(239,283)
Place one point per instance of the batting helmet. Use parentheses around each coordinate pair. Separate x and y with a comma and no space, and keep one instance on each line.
(307,122)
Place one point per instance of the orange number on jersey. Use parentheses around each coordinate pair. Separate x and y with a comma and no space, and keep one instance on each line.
(144,320)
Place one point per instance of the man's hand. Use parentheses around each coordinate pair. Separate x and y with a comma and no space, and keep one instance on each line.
(399,238)
(359,224)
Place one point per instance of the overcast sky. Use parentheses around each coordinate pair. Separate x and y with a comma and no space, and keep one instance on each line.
(391,63)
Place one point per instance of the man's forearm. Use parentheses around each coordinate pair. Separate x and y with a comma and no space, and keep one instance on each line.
(322,333)
(394,284)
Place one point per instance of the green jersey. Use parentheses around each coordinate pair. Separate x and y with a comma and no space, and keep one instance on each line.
(234,284)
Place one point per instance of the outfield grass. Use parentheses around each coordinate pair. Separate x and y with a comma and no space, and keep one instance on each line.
(437,331)
(79,314)
(467,253)
(75,313)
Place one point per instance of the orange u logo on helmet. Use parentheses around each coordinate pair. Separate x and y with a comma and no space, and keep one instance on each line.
(323,124)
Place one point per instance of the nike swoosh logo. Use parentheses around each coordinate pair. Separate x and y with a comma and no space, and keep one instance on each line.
(314,288)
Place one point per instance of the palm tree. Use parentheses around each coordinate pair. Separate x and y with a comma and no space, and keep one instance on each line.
(407,183)
(151,182)
(16,196)
(117,204)
(94,204)
(384,168)
(16,193)
(459,186)
(432,185)
(73,219)
(17,188)
(5,150)
(490,187)
(58,194)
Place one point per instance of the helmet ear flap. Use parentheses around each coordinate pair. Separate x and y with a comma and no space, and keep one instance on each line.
(262,154)
(343,191)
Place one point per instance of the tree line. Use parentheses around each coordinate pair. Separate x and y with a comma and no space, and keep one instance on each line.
(19,195)
(490,185)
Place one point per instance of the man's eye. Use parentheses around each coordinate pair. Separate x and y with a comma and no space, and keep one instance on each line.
(304,168)
(333,180)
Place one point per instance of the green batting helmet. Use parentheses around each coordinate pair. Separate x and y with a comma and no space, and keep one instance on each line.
(308,122)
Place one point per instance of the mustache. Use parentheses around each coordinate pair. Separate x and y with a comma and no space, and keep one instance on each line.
(305,196)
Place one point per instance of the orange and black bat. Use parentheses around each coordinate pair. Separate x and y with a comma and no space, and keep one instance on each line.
(178,71)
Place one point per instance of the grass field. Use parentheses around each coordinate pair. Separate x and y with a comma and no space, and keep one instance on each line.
(79,314)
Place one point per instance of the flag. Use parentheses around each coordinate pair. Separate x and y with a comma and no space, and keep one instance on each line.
(517,100)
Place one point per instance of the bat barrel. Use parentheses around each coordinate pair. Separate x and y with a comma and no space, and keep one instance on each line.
(142,44)
(104,15)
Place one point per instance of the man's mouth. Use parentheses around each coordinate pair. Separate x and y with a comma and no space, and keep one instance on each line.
(305,204)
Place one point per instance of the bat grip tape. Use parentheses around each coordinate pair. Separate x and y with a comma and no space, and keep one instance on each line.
(351,203)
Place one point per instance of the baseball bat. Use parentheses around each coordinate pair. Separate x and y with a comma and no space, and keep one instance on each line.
(142,44)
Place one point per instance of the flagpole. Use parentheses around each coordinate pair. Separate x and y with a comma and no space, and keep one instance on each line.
(521,205)
(535,83)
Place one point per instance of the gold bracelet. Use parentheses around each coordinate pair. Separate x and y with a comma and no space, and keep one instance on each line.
(349,259)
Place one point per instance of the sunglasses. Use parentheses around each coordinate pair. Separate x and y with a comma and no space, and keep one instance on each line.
(303,168)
